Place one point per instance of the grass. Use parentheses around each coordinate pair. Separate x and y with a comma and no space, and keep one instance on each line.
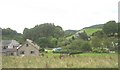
(90,31)
(87,60)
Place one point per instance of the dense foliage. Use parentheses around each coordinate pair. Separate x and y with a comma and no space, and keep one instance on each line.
(110,28)
(9,34)
(45,35)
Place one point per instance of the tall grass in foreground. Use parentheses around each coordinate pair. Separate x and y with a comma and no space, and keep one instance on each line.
(75,61)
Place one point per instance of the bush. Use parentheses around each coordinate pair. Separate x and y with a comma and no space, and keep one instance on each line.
(42,50)
(86,47)
(75,45)
(67,52)
(100,50)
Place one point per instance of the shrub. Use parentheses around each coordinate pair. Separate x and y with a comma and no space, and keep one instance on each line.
(67,52)
(100,50)
(86,47)
(42,50)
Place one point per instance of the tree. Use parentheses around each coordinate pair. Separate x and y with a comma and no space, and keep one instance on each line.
(45,35)
(58,32)
(8,31)
(106,42)
(43,42)
(99,34)
(61,42)
(96,42)
(86,47)
(73,38)
(110,28)
(9,34)
(75,45)
(53,42)
(83,35)
(26,33)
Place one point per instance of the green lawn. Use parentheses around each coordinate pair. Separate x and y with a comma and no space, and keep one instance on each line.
(50,60)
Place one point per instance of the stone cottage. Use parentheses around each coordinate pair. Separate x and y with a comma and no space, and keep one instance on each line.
(8,47)
(29,48)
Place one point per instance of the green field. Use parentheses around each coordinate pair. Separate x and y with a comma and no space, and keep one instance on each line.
(90,31)
(50,60)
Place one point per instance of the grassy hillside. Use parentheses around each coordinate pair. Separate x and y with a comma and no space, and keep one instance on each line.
(98,26)
(90,31)
(70,32)
(93,28)
(54,61)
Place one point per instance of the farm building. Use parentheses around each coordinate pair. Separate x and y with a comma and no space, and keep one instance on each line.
(8,47)
(28,49)
(13,48)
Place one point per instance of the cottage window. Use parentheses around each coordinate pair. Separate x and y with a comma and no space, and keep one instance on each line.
(11,54)
(22,52)
(32,52)
(5,47)
(26,45)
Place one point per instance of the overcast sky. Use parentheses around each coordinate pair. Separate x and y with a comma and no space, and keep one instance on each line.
(70,14)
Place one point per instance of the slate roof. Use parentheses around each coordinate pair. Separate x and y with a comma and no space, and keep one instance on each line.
(32,43)
(9,42)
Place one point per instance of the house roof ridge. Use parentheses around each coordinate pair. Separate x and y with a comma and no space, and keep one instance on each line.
(9,42)
(30,41)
